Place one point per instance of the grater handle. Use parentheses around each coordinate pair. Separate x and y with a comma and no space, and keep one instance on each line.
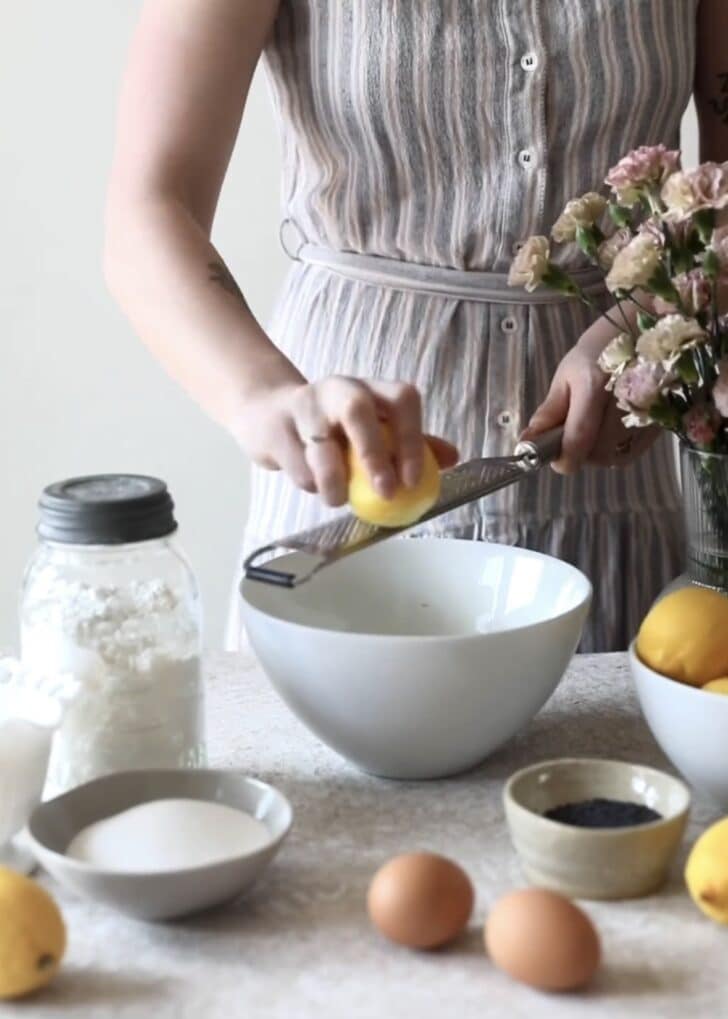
(542,449)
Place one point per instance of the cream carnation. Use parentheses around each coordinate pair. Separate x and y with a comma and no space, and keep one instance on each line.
(530,264)
(666,341)
(635,264)
(580,213)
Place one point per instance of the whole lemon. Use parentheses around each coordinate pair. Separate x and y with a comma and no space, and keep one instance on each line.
(32,935)
(717,685)
(408,504)
(685,636)
(706,872)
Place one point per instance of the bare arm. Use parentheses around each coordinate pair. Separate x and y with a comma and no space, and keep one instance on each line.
(183,97)
(182,100)
(711,80)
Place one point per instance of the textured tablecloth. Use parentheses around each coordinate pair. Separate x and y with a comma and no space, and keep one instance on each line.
(300,945)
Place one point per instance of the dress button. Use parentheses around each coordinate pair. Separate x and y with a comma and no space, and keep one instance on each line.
(529,61)
(509,324)
(525,158)
(504,419)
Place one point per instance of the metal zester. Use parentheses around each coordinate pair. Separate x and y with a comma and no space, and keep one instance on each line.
(321,546)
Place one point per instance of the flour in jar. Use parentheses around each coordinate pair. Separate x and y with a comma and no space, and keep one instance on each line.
(165,835)
(134,649)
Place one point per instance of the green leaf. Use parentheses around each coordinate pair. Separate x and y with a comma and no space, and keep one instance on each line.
(687,369)
(663,414)
(711,264)
(704,222)
(620,214)
(682,260)
(587,241)
(559,280)
(645,321)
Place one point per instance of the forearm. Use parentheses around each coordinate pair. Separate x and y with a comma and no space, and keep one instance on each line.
(711,80)
(185,306)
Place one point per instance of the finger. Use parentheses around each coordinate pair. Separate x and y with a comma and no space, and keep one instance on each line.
(587,405)
(322,449)
(291,459)
(551,413)
(351,405)
(403,407)
(445,453)
(328,466)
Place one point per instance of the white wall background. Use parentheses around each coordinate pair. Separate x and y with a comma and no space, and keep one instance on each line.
(78,394)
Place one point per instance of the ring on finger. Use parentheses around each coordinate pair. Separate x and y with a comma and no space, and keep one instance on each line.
(316,440)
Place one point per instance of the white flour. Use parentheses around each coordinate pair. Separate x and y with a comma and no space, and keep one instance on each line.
(134,650)
(168,835)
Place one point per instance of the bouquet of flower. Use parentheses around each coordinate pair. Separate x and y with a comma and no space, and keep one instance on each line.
(657,238)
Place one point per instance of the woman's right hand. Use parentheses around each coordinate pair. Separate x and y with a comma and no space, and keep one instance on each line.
(303,429)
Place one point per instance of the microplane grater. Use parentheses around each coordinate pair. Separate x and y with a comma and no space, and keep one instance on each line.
(344,535)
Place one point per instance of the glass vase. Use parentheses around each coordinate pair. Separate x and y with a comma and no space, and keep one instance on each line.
(705,506)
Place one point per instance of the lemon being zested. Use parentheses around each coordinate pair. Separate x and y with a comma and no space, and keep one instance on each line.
(408,504)
(717,685)
(685,636)
(32,935)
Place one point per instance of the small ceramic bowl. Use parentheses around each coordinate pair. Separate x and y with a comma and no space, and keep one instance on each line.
(690,725)
(173,893)
(589,863)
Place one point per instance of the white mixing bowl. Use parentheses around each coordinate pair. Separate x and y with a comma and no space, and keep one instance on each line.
(418,658)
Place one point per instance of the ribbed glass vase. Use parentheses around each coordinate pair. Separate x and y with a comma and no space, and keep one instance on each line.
(705,502)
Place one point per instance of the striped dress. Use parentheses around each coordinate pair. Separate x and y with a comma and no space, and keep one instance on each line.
(442,133)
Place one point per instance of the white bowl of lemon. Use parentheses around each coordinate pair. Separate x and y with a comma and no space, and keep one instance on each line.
(680,667)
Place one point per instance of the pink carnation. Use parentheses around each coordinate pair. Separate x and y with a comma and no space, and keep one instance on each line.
(694,290)
(701,424)
(691,191)
(647,166)
(638,388)
(720,388)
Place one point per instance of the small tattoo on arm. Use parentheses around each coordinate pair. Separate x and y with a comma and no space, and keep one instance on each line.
(220,274)
(720,102)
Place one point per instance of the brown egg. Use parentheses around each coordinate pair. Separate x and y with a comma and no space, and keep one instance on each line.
(542,939)
(420,900)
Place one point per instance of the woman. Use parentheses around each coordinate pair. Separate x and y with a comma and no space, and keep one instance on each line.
(423,139)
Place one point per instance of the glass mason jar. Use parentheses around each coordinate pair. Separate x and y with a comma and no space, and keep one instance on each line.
(110,599)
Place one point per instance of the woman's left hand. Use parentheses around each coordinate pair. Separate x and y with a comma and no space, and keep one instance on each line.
(578,399)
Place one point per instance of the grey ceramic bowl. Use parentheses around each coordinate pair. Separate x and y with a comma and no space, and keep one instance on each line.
(588,863)
(174,893)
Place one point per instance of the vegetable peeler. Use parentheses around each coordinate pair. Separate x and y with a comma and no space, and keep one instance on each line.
(344,535)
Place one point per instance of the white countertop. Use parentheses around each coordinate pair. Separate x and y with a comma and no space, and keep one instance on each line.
(301,946)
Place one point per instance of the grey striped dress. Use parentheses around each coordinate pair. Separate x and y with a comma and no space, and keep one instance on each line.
(441,132)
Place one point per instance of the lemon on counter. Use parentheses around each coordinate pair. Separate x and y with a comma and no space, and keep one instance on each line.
(685,636)
(717,685)
(706,872)
(32,935)
(408,504)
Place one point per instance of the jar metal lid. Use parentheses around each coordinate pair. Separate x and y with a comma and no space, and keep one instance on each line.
(106,509)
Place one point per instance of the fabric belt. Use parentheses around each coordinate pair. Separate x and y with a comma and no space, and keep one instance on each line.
(436,281)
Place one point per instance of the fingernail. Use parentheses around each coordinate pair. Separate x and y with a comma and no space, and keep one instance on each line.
(385,484)
(411,473)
